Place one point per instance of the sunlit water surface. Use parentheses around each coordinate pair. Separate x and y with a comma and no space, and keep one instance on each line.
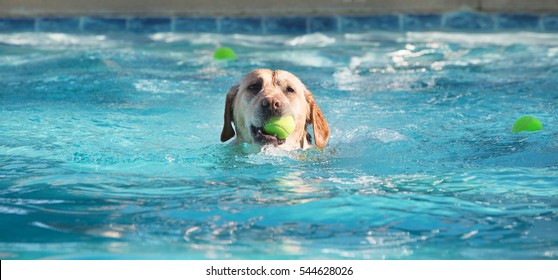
(109,148)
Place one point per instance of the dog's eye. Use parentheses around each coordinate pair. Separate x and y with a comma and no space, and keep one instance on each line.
(255,87)
(290,89)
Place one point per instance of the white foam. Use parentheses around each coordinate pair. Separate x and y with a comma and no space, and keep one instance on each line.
(161,86)
(386,135)
(365,133)
(347,79)
(552,52)
(56,40)
(311,40)
(501,39)
(13,210)
(271,155)
(308,58)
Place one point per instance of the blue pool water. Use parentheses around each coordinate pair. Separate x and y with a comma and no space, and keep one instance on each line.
(109,148)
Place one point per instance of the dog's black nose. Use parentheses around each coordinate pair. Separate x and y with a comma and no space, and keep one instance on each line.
(271,103)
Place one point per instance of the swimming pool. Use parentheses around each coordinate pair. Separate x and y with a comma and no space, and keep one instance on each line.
(110,148)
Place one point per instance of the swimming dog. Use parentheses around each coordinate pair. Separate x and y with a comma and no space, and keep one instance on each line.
(264,94)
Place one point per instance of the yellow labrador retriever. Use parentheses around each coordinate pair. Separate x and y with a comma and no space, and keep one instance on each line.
(263,94)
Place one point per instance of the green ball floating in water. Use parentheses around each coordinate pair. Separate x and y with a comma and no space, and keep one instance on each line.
(280,127)
(224,53)
(526,123)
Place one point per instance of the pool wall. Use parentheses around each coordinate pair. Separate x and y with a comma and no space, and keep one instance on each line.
(454,21)
(277,17)
(264,7)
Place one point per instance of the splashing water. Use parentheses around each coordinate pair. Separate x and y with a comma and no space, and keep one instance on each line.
(109,148)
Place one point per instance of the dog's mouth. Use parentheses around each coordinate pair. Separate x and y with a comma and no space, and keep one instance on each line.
(265,139)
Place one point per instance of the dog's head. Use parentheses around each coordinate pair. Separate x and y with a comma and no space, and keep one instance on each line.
(263,94)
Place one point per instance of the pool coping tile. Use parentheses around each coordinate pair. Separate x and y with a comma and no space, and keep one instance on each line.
(471,21)
(518,21)
(286,25)
(58,24)
(17,24)
(387,22)
(467,20)
(323,24)
(195,24)
(241,25)
(420,22)
(550,23)
(150,24)
(104,24)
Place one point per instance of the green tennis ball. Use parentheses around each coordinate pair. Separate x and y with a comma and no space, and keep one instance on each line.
(280,127)
(224,53)
(526,123)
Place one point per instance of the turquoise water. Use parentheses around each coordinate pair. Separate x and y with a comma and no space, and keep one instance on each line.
(109,148)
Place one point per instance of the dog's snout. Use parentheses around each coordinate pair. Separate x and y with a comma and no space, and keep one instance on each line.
(271,103)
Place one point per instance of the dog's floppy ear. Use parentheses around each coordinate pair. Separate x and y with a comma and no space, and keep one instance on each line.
(317,120)
(228,130)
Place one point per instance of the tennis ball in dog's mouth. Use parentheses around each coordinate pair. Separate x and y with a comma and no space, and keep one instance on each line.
(224,53)
(280,127)
(526,123)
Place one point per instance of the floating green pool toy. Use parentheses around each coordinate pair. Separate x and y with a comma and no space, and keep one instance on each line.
(280,127)
(224,53)
(526,123)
